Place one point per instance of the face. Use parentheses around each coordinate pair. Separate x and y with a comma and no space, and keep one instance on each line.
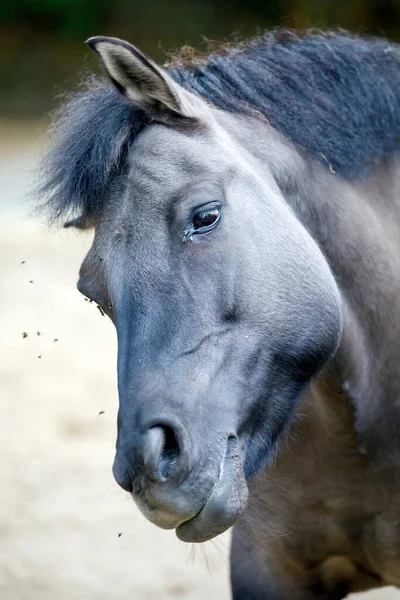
(224,309)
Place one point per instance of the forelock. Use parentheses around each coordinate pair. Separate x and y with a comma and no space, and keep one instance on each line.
(89,143)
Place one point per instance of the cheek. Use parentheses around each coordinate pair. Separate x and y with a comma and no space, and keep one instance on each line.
(294,309)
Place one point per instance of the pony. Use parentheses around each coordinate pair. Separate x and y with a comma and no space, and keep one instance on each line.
(246,217)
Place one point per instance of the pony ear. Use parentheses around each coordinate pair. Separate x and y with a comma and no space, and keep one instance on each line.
(81,222)
(139,79)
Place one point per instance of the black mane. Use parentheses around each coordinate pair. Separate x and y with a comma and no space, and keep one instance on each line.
(335,95)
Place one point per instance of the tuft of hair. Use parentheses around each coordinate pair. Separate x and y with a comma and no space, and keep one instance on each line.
(335,95)
(90,139)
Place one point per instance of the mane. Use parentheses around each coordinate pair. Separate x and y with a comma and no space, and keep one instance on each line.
(334,95)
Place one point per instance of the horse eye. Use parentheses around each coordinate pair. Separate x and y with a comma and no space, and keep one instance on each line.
(205,218)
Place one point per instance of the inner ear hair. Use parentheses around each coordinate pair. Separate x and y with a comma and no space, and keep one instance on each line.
(140,80)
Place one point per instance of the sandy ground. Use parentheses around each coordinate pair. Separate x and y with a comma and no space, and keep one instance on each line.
(66,530)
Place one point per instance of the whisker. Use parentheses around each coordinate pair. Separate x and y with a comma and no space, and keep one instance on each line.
(107,491)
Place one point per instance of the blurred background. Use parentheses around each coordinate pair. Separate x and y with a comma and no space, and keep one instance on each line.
(41,41)
(66,530)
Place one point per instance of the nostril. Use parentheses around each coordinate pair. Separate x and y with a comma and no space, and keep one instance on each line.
(170,452)
(161,452)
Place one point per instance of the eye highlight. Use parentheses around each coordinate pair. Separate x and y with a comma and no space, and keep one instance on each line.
(204,219)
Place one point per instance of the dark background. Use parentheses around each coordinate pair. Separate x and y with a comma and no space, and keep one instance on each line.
(41,41)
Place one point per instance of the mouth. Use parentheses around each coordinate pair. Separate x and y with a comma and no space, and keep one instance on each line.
(225,504)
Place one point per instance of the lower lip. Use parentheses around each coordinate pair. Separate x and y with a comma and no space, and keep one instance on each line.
(225,505)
